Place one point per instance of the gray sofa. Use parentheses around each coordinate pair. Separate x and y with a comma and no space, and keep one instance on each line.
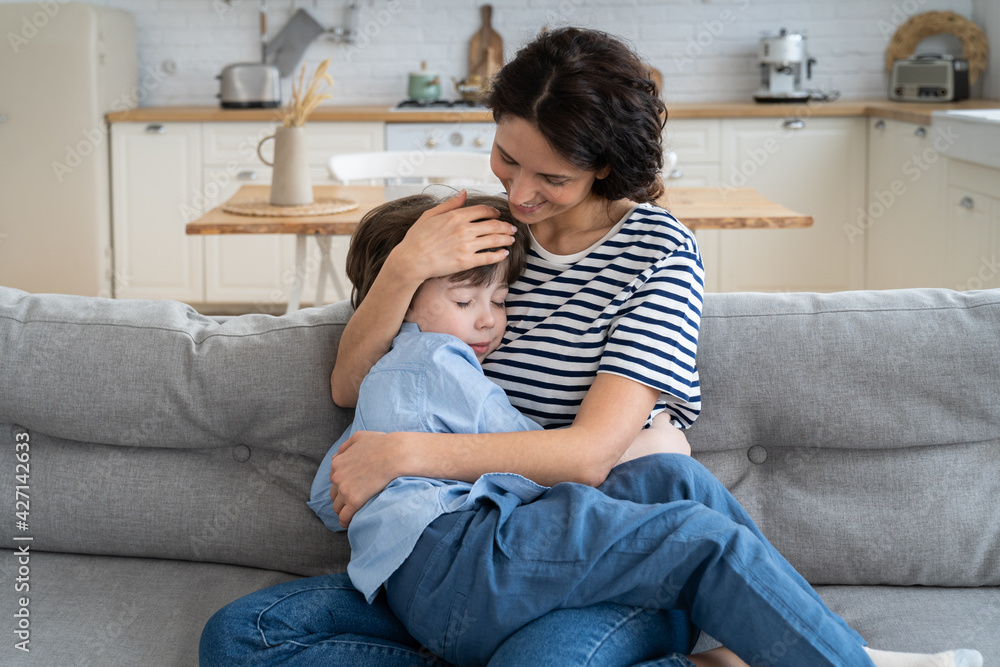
(170,455)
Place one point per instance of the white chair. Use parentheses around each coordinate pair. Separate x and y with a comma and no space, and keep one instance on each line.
(403,172)
(416,166)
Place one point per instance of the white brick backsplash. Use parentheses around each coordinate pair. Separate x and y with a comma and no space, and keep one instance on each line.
(706,49)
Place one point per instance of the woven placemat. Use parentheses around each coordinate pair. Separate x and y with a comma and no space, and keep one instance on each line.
(262,208)
(975,48)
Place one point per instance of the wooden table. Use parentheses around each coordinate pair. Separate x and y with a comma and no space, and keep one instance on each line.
(698,208)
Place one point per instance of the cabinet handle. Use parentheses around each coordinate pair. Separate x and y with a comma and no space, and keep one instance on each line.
(920,132)
(880,125)
(675,174)
(155,129)
(794,124)
(247,176)
(967,202)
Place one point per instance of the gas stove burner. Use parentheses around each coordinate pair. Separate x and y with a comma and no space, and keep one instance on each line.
(438,104)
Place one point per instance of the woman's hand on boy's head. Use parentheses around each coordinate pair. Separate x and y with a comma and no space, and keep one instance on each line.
(448,239)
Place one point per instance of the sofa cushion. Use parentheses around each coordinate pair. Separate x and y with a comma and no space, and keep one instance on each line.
(861,430)
(121,612)
(913,618)
(159,432)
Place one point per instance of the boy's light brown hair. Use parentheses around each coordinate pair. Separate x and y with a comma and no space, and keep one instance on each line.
(383,228)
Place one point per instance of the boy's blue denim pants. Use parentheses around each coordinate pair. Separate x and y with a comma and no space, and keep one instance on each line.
(680,542)
(325,621)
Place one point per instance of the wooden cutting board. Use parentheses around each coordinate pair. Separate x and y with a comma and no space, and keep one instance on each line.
(485,48)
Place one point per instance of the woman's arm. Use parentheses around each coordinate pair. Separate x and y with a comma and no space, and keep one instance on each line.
(445,239)
(611,415)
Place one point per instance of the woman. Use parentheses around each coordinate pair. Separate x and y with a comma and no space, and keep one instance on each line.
(578,150)
(601,635)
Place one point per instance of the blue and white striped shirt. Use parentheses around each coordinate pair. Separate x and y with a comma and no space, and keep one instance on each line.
(628,305)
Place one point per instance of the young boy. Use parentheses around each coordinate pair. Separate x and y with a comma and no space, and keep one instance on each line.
(430,381)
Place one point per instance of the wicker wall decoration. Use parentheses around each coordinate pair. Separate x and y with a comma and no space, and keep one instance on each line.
(975,48)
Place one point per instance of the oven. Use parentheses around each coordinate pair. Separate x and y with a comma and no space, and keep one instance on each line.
(471,137)
(457,136)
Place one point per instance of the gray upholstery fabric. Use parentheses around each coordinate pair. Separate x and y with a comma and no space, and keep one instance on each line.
(158,432)
(110,611)
(915,619)
(861,430)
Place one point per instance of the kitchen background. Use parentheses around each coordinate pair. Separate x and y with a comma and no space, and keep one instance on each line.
(91,207)
(705,49)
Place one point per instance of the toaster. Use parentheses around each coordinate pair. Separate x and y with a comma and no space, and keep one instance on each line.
(249,86)
(929,78)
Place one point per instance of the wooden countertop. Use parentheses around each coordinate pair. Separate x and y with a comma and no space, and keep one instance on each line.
(697,208)
(912,112)
(381,114)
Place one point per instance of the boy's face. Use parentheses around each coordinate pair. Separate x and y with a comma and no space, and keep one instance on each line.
(475,315)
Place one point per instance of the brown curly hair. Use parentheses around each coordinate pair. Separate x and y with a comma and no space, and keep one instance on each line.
(595,102)
(382,229)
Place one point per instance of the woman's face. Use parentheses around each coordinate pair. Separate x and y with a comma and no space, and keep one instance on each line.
(540,183)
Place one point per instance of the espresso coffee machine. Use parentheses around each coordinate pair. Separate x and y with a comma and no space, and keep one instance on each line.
(781,61)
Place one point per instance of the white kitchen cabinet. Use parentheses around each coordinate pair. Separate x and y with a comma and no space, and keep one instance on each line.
(156,173)
(697,145)
(973,212)
(815,166)
(164,175)
(903,221)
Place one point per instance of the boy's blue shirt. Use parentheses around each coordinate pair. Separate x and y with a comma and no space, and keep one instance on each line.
(427,383)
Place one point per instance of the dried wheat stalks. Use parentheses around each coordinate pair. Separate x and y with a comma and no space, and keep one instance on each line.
(303,101)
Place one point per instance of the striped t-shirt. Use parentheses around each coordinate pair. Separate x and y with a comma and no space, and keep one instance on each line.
(628,305)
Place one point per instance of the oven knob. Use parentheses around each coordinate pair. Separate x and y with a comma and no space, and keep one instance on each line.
(456,139)
(431,142)
(479,142)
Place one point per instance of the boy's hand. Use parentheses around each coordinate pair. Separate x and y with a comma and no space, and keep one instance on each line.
(363,466)
(447,239)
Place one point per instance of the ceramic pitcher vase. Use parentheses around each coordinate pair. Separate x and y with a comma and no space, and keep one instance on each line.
(290,185)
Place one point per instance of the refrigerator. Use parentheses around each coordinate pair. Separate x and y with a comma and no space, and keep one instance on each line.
(63,66)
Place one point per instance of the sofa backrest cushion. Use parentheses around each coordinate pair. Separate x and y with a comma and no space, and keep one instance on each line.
(860,429)
(155,431)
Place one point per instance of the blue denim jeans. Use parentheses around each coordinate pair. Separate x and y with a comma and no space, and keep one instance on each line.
(326,621)
(681,541)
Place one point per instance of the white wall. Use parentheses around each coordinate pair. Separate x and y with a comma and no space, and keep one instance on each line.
(705,49)
(987,14)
